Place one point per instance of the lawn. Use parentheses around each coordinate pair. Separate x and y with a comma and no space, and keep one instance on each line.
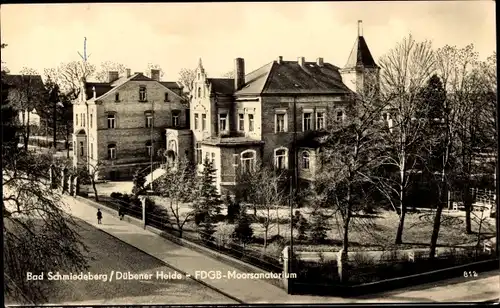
(366,232)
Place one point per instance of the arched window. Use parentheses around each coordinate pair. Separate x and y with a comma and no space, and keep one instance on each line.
(248,160)
(305,160)
(112,151)
(281,158)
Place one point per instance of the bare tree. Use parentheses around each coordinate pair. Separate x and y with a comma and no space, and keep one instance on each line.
(265,190)
(152,66)
(88,173)
(102,74)
(69,76)
(455,68)
(178,185)
(405,70)
(39,235)
(351,152)
(26,94)
(229,74)
(186,78)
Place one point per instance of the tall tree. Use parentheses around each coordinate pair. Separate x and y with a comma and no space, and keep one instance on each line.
(229,74)
(69,76)
(209,200)
(26,94)
(350,153)
(102,74)
(405,70)
(8,114)
(454,67)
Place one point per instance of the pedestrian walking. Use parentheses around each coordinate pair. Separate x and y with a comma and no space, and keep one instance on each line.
(99,216)
(121,212)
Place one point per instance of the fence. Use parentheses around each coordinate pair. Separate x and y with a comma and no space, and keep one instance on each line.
(158,218)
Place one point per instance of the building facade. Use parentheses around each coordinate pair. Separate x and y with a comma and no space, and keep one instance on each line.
(263,115)
(119,125)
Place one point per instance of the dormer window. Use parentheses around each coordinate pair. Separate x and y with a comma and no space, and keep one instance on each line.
(142,94)
(117,97)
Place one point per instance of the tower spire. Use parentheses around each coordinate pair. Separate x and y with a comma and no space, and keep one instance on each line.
(360,27)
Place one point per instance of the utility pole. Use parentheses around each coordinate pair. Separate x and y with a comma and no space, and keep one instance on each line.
(152,148)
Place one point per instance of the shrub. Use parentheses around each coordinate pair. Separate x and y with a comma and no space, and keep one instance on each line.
(233,209)
(318,228)
(139,182)
(302,227)
(116,195)
(243,231)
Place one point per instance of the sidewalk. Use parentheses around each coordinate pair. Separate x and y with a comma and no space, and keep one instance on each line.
(258,291)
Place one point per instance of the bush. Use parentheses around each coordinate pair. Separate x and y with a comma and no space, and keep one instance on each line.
(116,195)
(302,227)
(233,209)
(243,231)
(318,228)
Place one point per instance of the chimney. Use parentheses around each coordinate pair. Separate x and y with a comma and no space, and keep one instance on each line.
(301,61)
(93,93)
(360,28)
(239,73)
(128,72)
(155,74)
(136,73)
(112,76)
(319,62)
(280,59)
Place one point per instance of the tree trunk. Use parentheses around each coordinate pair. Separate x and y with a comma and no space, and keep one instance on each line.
(265,237)
(468,208)
(67,142)
(27,136)
(54,125)
(399,233)
(95,190)
(347,219)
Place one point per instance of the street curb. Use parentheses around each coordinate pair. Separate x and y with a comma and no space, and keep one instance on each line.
(166,264)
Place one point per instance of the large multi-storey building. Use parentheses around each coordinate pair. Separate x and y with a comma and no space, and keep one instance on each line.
(256,116)
(119,125)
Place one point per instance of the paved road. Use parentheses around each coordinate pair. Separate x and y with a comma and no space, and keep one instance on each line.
(110,254)
(257,291)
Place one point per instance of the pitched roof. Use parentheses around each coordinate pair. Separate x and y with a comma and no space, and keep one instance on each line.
(102,88)
(222,85)
(360,55)
(289,77)
(13,80)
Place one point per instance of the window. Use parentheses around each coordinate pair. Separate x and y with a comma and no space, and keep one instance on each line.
(166,97)
(81,148)
(306,123)
(305,160)
(112,151)
(250,122)
(203,122)
(111,121)
(117,97)
(199,92)
(280,159)
(175,118)
(142,94)
(76,119)
(213,159)
(196,121)
(280,122)
(236,159)
(91,119)
(248,161)
(222,122)
(340,115)
(149,149)
(320,120)
(241,122)
(199,153)
(83,121)
(92,150)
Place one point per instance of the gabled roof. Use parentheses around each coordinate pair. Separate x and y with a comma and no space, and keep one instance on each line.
(360,55)
(223,86)
(289,77)
(13,80)
(103,88)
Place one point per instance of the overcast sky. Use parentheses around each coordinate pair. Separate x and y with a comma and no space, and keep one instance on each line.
(175,35)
